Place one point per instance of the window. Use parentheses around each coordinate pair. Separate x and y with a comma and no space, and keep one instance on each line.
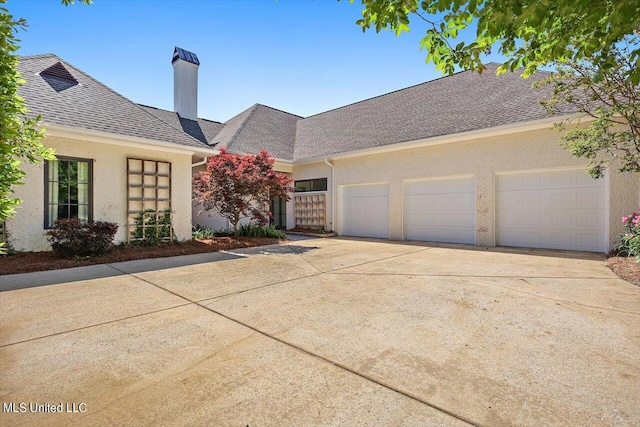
(319,184)
(68,190)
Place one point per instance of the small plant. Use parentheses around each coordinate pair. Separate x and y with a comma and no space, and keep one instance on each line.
(152,228)
(6,248)
(247,230)
(204,232)
(73,238)
(252,230)
(630,245)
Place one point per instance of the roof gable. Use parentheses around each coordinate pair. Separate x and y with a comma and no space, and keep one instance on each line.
(89,104)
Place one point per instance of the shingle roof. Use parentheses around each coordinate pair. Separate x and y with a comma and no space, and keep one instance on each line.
(260,127)
(462,102)
(203,130)
(89,104)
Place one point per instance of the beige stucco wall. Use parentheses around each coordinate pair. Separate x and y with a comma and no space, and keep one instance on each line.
(109,190)
(482,158)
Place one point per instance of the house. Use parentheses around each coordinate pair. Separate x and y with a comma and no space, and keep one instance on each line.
(466,158)
(115,159)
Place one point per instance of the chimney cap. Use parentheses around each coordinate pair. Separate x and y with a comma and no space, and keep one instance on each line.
(185,55)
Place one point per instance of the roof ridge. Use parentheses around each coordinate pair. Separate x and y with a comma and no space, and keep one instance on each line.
(134,103)
(253,109)
(38,55)
(281,111)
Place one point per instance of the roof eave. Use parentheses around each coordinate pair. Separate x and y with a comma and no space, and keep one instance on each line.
(122,140)
(444,139)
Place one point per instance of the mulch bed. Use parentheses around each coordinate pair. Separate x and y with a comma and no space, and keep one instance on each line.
(625,267)
(26,262)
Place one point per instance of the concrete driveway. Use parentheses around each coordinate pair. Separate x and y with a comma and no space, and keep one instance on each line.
(326,332)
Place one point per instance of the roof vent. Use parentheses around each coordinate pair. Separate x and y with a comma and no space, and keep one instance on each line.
(59,71)
(185,55)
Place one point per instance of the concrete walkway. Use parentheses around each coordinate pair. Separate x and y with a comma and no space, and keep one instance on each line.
(326,332)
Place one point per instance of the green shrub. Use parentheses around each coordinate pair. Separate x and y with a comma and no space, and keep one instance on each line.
(247,230)
(251,230)
(72,238)
(630,245)
(204,232)
(152,228)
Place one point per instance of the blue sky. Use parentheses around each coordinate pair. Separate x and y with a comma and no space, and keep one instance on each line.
(300,56)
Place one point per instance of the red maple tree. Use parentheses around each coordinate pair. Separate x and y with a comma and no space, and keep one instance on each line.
(237,186)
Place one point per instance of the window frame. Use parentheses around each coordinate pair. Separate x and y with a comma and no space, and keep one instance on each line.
(326,184)
(47,182)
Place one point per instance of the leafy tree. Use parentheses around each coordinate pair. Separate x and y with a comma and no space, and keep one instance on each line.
(19,135)
(237,186)
(608,100)
(529,33)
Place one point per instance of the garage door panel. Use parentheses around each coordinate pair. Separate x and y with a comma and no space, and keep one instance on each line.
(587,241)
(441,234)
(446,187)
(365,210)
(562,200)
(589,199)
(561,220)
(557,210)
(365,191)
(561,239)
(440,210)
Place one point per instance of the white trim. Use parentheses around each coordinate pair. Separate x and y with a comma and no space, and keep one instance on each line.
(441,178)
(333,202)
(121,140)
(494,208)
(360,184)
(445,139)
(553,169)
(309,193)
(607,212)
(282,166)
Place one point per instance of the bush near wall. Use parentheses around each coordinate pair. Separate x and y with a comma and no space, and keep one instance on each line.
(630,245)
(73,238)
(247,230)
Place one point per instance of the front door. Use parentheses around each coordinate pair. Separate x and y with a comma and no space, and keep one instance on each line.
(278,213)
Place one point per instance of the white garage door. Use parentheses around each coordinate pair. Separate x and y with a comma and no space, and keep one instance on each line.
(556,210)
(440,210)
(365,210)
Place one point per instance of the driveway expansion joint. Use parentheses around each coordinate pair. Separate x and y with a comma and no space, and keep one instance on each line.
(97,324)
(310,353)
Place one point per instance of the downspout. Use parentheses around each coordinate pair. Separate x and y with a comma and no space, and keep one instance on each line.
(193,165)
(333,196)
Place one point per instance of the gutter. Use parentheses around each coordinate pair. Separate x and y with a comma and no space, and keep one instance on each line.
(333,197)
(89,135)
(193,165)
